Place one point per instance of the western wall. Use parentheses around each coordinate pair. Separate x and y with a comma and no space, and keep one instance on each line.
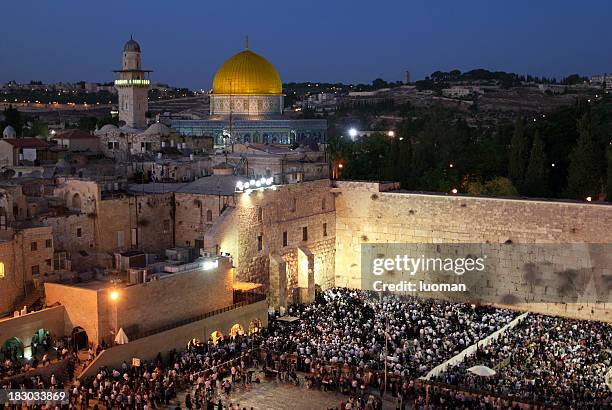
(370,213)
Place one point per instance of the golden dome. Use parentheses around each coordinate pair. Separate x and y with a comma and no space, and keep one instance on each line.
(247,73)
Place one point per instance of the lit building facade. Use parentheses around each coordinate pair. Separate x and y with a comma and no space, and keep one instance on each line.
(246,105)
(132,87)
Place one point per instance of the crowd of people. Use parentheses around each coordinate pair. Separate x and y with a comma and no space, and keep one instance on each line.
(357,328)
(370,348)
(214,368)
(545,359)
(44,353)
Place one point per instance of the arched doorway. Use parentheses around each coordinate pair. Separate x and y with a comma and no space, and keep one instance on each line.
(216,337)
(41,341)
(13,349)
(79,338)
(255,326)
(236,330)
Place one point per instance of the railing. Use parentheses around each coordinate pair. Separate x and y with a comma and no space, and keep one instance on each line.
(252,299)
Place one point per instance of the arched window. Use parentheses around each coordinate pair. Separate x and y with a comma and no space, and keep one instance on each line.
(76,201)
(208,215)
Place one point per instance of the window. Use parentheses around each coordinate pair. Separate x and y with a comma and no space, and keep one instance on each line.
(305,233)
(323,204)
(325,229)
(48,262)
(79,232)
(260,242)
(2,219)
(1,270)
(35,270)
(112,145)
(134,233)
(285,238)
(120,239)
(48,243)
(293,205)
(208,215)
(259,214)
(59,260)
(33,246)
(166,225)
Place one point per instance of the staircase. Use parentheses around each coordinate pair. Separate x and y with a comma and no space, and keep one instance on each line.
(34,295)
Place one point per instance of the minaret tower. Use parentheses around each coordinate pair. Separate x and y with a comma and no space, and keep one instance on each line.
(132,87)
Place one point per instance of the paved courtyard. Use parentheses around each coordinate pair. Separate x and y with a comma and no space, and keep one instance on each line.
(272,395)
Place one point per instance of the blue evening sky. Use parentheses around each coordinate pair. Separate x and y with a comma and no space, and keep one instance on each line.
(185,41)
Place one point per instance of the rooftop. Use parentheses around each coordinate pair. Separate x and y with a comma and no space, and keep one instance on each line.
(74,134)
(27,142)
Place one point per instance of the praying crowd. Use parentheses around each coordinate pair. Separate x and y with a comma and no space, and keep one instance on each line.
(348,326)
(371,349)
(154,384)
(545,359)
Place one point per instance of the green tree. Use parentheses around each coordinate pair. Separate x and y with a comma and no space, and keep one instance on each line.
(536,176)
(499,186)
(584,173)
(87,123)
(38,129)
(13,117)
(518,153)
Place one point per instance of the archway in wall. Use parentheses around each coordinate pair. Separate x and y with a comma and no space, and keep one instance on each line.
(236,330)
(79,339)
(13,349)
(216,337)
(255,326)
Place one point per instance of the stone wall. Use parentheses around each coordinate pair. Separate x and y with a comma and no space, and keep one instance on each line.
(147,348)
(142,307)
(364,214)
(143,222)
(172,298)
(81,309)
(196,214)
(23,253)
(24,327)
(258,227)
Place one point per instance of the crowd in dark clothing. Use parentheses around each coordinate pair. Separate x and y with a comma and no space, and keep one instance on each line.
(355,327)
(545,359)
(154,384)
(372,348)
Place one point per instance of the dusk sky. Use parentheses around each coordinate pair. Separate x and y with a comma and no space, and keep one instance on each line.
(184,42)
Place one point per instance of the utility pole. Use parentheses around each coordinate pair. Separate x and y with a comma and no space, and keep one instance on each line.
(386,347)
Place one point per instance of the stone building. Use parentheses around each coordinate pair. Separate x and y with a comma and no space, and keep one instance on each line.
(26,256)
(246,105)
(132,87)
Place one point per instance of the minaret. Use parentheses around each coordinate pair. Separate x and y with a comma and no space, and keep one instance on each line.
(132,87)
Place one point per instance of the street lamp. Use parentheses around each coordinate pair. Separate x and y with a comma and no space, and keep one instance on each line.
(114,295)
(352,133)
